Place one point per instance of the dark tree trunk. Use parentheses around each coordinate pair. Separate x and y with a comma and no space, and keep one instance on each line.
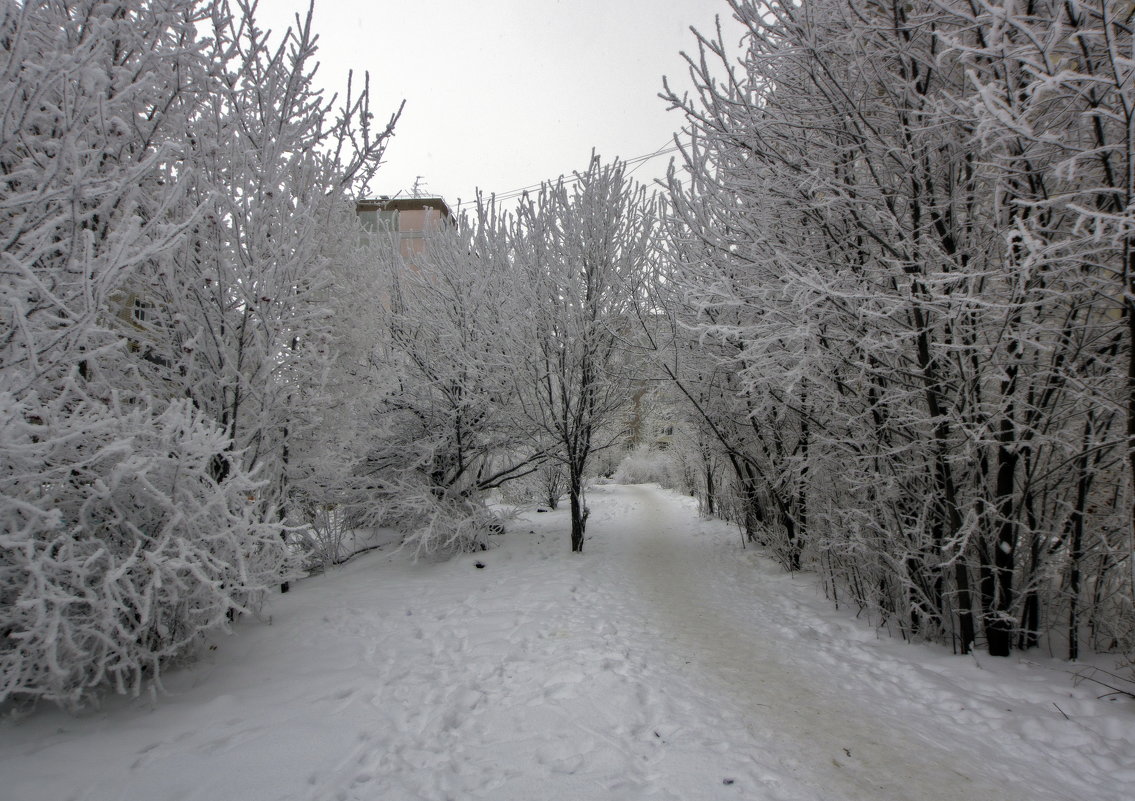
(801,500)
(967,630)
(999,623)
(1030,609)
(1129,314)
(578,516)
(710,488)
(1076,554)
(948,517)
(579,510)
(792,558)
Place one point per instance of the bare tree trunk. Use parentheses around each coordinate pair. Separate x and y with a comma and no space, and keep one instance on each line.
(579,513)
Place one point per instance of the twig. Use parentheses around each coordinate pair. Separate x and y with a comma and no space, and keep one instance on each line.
(1082,675)
(1114,690)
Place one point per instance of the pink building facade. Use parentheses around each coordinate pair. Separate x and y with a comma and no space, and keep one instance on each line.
(410,219)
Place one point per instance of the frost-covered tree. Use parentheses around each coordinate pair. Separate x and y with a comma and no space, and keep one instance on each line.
(896,252)
(241,317)
(136,511)
(446,428)
(583,249)
(1054,106)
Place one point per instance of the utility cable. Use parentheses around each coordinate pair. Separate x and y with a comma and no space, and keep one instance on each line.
(637,161)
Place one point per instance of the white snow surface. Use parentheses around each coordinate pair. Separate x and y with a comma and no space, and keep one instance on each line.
(665,662)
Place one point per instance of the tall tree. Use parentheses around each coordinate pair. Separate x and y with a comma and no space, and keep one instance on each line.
(883,242)
(160,319)
(241,314)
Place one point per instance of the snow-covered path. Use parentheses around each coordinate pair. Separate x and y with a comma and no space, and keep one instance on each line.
(818,724)
(663,663)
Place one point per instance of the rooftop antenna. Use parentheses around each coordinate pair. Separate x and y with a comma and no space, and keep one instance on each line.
(419,185)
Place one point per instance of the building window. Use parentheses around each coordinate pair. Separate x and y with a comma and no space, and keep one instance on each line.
(141,311)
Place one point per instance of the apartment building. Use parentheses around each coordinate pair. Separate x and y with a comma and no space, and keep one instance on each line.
(409,219)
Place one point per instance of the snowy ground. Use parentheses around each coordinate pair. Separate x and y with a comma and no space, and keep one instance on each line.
(663,663)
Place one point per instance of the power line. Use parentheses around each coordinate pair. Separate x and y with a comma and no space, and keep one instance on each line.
(666,148)
(637,161)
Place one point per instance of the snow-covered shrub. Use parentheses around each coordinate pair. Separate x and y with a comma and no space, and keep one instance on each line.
(443,525)
(328,503)
(645,465)
(546,486)
(320,542)
(604,463)
(176,194)
(327,525)
(118,548)
(552,481)
(520,493)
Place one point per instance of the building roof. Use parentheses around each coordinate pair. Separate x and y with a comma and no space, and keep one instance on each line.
(383,203)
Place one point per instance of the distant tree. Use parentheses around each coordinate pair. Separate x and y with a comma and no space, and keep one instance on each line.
(336,392)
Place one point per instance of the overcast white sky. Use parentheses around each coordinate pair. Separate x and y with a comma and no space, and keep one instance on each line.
(501,94)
